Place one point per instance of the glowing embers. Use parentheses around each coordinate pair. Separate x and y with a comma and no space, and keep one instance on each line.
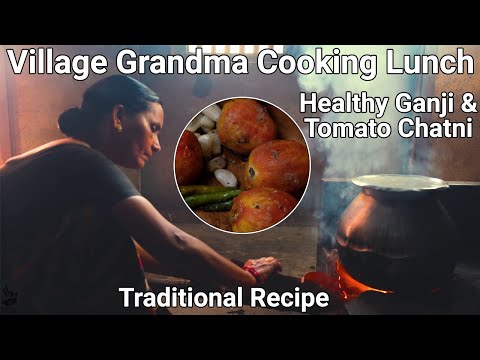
(340,283)
(351,288)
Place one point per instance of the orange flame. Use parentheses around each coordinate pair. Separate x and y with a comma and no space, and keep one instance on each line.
(341,285)
(350,287)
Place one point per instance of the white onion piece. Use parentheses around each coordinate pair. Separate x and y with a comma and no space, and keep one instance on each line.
(216,163)
(226,178)
(216,144)
(197,134)
(212,112)
(206,142)
(195,123)
(206,124)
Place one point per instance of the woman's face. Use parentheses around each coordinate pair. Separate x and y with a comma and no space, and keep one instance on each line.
(139,138)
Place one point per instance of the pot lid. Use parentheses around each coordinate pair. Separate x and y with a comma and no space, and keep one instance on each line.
(394,182)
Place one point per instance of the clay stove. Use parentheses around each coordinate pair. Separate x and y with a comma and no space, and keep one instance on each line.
(460,294)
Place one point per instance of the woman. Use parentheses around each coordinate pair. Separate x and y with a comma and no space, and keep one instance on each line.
(69,214)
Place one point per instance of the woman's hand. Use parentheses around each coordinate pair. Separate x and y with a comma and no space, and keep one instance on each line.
(262,268)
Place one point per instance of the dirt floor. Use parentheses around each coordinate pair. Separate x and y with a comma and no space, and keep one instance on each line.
(292,242)
(294,246)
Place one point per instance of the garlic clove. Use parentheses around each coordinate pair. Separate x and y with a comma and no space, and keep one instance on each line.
(216,163)
(216,144)
(213,112)
(206,124)
(206,142)
(226,177)
(195,123)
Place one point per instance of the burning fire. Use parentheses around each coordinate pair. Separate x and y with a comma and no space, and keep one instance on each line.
(340,284)
(350,287)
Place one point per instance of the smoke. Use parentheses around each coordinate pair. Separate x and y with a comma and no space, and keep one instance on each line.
(348,157)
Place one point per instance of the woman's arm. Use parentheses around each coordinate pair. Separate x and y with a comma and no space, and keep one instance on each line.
(187,255)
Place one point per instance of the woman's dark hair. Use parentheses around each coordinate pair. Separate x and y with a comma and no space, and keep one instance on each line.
(100,98)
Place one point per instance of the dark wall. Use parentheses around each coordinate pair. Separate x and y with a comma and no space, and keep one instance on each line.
(455,158)
(31,103)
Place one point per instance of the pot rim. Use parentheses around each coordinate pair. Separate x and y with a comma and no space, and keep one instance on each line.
(400,182)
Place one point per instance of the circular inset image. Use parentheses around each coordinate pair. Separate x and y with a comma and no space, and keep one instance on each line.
(242,165)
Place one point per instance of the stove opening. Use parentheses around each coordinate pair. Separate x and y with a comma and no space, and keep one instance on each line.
(336,280)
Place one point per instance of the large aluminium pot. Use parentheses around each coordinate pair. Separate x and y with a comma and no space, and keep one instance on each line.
(396,234)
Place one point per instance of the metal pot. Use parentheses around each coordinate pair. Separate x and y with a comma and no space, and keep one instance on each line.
(396,234)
